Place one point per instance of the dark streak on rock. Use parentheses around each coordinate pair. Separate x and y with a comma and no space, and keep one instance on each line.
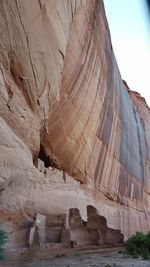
(62,54)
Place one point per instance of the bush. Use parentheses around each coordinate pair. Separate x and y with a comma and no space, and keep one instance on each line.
(3,240)
(139,245)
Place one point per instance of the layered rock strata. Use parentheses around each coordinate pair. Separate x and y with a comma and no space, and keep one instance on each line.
(63,105)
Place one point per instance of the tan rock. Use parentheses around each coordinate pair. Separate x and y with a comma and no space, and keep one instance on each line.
(62,101)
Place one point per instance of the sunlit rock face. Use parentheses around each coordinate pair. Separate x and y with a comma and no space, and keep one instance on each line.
(63,104)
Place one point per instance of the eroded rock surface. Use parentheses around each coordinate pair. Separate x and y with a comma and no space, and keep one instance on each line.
(63,105)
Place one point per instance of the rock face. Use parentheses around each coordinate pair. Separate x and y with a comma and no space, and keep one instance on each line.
(73,136)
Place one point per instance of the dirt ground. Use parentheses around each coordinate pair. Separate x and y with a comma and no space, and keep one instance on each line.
(96,258)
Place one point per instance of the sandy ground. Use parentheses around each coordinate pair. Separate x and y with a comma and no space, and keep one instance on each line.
(101,258)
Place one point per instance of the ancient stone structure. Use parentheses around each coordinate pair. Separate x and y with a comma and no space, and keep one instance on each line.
(74,139)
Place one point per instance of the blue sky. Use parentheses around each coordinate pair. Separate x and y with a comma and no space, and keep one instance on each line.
(130,33)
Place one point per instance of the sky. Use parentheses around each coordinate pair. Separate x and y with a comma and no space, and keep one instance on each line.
(129,25)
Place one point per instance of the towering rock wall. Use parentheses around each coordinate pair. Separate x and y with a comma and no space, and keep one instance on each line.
(63,104)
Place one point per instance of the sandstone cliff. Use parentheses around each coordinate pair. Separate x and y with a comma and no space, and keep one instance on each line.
(72,134)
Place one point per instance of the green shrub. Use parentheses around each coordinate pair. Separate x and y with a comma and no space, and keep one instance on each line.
(3,240)
(77,254)
(139,245)
(145,254)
